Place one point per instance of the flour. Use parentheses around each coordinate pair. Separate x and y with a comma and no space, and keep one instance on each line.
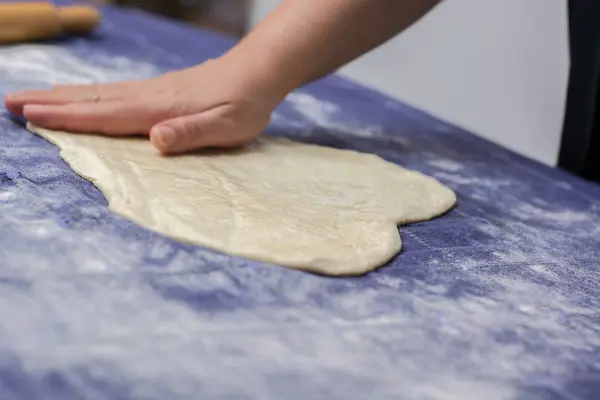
(446,165)
(473,182)
(327,115)
(510,313)
(38,66)
(566,216)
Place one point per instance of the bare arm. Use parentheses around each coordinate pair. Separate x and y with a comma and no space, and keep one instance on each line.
(304,40)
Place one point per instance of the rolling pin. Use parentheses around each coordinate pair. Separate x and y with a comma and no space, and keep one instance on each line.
(23,22)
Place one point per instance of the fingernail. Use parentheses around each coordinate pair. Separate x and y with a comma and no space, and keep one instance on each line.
(14,95)
(165,136)
(32,108)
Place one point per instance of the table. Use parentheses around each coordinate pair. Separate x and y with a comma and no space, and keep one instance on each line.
(498,299)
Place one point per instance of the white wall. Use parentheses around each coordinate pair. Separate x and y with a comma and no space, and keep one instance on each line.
(496,67)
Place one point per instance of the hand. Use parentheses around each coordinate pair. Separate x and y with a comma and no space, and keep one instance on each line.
(211,105)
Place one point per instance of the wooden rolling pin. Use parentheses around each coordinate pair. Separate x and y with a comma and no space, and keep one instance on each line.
(22,22)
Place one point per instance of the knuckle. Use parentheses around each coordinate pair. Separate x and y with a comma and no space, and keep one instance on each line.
(189,131)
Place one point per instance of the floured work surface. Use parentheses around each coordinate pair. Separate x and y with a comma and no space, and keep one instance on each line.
(303,206)
(95,306)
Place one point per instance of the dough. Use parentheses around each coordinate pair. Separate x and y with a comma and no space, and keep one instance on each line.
(302,206)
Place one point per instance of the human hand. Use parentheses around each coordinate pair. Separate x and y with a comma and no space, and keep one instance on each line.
(211,105)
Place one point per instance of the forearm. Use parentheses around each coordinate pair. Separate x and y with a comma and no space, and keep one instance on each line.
(303,40)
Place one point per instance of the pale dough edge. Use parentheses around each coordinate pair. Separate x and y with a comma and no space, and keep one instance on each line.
(313,266)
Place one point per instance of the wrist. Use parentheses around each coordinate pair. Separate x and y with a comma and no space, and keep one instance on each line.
(267,72)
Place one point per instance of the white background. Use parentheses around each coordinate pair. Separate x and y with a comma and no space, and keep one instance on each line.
(496,67)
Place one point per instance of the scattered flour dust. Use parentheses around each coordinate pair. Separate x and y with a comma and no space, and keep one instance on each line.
(30,65)
(525,210)
(469,181)
(445,164)
(452,326)
(329,116)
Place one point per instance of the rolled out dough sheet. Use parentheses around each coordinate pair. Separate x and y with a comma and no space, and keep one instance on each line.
(303,206)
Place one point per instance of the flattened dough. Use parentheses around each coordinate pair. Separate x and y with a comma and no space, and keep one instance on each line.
(308,207)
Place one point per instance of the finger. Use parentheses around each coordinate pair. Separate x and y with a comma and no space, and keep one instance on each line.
(110,118)
(208,129)
(64,94)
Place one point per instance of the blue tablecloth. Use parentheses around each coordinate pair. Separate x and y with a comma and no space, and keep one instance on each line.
(498,299)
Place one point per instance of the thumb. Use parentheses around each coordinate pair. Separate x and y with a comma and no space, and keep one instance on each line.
(211,128)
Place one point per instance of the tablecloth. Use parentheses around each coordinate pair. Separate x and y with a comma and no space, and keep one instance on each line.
(498,299)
